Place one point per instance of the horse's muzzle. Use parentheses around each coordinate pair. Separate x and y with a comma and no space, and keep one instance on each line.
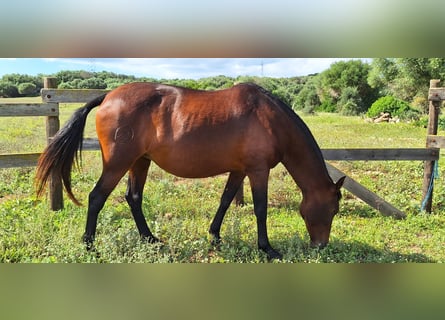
(318,245)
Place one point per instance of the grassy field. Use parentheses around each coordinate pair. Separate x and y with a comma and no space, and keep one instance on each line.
(179,211)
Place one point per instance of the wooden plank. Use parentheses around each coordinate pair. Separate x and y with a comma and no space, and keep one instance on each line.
(90,144)
(29,109)
(70,95)
(435,141)
(52,126)
(421,154)
(366,195)
(18,160)
(436,94)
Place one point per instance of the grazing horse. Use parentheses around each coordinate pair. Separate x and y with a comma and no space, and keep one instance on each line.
(243,130)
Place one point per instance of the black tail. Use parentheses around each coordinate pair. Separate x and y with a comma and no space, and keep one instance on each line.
(59,156)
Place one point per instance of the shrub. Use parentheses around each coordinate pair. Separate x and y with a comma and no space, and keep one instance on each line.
(92,83)
(350,102)
(27,88)
(307,99)
(420,102)
(423,122)
(394,106)
(327,106)
(8,90)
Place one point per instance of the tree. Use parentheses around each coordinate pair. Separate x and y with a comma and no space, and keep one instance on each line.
(405,78)
(307,99)
(16,80)
(214,83)
(67,76)
(350,102)
(27,89)
(8,89)
(383,71)
(92,83)
(346,75)
(73,84)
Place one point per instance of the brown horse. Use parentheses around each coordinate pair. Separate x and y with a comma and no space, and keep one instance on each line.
(243,130)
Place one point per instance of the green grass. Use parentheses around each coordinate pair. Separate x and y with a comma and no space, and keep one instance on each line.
(179,211)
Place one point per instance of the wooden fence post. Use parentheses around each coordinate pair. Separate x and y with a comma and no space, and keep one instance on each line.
(52,126)
(433,120)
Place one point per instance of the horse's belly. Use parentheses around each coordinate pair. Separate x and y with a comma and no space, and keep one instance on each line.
(210,159)
(189,165)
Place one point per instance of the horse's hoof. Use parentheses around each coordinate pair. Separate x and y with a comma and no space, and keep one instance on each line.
(89,242)
(273,255)
(150,239)
(216,240)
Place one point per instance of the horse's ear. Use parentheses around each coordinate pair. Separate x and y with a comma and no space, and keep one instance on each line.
(340,182)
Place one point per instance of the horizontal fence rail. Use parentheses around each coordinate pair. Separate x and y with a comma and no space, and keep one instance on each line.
(353,154)
(429,154)
(436,94)
(70,95)
(385,154)
(18,160)
(29,109)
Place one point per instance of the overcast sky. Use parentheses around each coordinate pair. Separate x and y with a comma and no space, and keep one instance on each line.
(168,68)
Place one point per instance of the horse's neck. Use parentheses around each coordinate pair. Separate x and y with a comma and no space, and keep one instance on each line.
(307,168)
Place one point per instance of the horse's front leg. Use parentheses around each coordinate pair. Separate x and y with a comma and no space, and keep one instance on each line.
(259,185)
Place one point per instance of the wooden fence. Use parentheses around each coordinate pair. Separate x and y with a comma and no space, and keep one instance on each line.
(51,98)
(435,97)
(49,108)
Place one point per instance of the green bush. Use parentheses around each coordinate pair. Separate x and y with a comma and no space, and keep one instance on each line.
(327,106)
(423,122)
(394,106)
(8,90)
(27,88)
(350,102)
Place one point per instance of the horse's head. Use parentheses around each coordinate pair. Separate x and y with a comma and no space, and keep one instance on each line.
(318,211)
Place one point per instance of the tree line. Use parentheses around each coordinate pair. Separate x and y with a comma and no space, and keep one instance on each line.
(351,87)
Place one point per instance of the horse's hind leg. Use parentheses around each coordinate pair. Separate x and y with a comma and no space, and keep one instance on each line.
(232,186)
(136,181)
